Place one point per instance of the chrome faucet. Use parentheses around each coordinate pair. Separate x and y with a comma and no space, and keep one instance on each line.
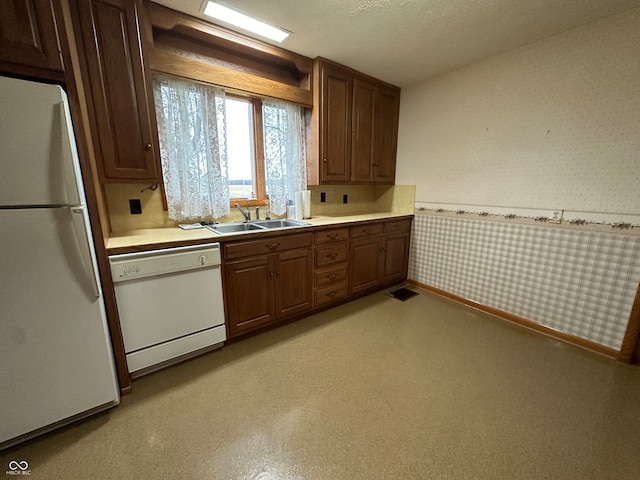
(246,213)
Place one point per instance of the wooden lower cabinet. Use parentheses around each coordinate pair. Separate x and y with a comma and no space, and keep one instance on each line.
(365,264)
(292,282)
(262,290)
(330,277)
(379,254)
(396,256)
(286,276)
(249,292)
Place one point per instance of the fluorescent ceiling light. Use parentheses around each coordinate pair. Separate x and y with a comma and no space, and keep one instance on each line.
(242,21)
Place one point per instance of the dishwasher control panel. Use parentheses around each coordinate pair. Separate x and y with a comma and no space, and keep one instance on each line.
(130,266)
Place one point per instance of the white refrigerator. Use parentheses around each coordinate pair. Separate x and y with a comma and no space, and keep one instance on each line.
(56,362)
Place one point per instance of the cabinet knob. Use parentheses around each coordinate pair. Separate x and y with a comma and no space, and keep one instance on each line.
(324,160)
(147,147)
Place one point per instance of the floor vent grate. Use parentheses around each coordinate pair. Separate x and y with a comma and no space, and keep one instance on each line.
(402,294)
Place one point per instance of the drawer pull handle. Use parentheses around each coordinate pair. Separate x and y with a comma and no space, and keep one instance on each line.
(367,230)
(272,246)
(332,236)
(332,276)
(332,256)
(332,294)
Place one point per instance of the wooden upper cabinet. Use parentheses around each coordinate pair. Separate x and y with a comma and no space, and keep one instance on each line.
(29,39)
(362,134)
(122,100)
(335,134)
(354,127)
(374,133)
(385,118)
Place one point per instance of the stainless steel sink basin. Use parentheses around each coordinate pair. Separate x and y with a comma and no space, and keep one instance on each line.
(254,226)
(234,227)
(279,223)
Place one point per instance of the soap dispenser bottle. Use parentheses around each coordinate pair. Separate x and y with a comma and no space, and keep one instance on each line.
(291,210)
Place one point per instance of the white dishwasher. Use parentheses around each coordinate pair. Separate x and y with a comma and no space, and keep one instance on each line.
(170,304)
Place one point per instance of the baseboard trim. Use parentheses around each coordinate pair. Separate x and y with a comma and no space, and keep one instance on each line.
(524,322)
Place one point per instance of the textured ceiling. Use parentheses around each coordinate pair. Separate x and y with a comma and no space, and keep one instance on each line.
(406,41)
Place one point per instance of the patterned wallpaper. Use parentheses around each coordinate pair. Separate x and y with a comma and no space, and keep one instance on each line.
(581,282)
(554,125)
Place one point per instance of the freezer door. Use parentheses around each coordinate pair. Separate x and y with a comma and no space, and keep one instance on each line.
(55,353)
(38,156)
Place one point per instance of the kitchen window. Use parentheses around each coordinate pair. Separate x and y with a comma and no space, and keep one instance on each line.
(218,149)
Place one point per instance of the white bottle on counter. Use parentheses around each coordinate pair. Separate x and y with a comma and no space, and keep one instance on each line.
(291,210)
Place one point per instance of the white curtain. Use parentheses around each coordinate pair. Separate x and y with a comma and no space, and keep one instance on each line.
(193,146)
(284,153)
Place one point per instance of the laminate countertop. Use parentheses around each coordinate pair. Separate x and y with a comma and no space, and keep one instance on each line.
(157,238)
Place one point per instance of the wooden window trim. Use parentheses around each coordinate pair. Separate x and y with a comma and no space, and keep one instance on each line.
(258,154)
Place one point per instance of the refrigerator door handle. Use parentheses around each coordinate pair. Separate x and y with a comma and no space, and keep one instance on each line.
(79,227)
(69,160)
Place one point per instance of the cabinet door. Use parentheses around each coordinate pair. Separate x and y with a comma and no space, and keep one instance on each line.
(387,110)
(335,137)
(365,258)
(123,104)
(362,132)
(293,275)
(28,35)
(248,288)
(396,256)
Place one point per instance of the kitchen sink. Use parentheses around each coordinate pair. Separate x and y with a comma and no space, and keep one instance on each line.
(234,227)
(279,223)
(254,226)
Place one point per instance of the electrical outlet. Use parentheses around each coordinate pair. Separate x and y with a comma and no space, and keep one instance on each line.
(345,198)
(556,216)
(323,197)
(135,206)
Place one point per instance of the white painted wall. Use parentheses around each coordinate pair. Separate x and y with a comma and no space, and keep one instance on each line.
(552,125)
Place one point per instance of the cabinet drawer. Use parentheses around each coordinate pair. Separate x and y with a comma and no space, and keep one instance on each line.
(332,235)
(358,231)
(330,275)
(397,226)
(330,293)
(268,245)
(331,253)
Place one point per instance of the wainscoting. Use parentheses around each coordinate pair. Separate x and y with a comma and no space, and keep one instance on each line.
(578,282)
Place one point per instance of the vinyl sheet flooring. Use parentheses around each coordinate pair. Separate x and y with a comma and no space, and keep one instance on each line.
(373,389)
